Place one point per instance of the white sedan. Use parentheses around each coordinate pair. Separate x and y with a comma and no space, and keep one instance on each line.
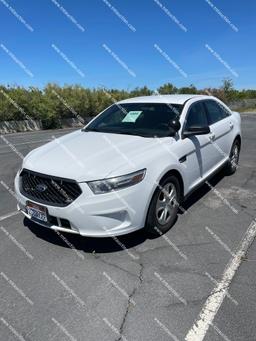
(131,167)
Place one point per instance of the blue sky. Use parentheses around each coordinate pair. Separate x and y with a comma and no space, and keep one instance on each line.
(136,49)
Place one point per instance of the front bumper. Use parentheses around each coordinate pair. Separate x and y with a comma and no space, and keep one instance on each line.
(102,215)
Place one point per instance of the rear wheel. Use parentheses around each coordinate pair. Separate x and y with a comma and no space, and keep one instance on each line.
(164,206)
(233,158)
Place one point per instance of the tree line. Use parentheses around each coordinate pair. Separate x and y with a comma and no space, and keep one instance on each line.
(54,102)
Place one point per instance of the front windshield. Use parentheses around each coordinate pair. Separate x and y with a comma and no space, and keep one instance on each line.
(143,119)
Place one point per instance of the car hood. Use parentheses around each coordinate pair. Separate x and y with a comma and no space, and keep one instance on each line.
(86,156)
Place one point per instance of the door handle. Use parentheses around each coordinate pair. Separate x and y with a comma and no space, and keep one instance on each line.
(212,137)
(183,159)
(231,125)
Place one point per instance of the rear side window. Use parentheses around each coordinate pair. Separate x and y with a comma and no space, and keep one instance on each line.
(196,116)
(215,111)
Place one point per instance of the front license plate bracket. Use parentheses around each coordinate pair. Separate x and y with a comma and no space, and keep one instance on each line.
(37,212)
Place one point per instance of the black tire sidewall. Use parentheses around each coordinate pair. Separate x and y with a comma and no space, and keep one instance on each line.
(229,169)
(152,225)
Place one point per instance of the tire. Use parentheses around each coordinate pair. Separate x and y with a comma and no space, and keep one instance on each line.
(162,215)
(232,164)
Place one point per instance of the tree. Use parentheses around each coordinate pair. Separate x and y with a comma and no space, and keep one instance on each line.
(145,91)
(228,85)
(228,89)
(188,90)
(167,89)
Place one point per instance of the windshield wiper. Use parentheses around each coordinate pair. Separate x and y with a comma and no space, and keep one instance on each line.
(91,129)
(117,132)
(133,133)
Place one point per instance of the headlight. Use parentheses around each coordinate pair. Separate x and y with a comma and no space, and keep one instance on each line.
(112,184)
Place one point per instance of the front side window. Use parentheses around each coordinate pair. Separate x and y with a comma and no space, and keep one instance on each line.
(196,116)
(215,111)
(144,119)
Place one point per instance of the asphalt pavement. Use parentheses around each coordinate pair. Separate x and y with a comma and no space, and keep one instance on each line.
(67,287)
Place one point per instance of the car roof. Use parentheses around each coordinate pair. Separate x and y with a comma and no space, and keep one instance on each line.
(173,99)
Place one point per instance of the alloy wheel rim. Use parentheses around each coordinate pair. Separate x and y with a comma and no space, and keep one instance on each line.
(166,202)
(234,157)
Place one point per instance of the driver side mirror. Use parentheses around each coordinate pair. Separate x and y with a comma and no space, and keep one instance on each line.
(175,125)
(196,131)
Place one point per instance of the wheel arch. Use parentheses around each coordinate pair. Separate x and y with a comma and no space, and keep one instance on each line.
(178,175)
(169,172)
(239,139)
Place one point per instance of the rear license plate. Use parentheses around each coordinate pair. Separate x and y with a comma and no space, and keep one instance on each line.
(37,211)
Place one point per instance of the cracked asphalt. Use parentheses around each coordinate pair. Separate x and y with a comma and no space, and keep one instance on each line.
(72,288)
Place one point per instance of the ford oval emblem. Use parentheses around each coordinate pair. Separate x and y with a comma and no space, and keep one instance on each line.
(41,188)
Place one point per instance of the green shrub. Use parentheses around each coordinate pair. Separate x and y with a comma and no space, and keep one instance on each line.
(53,103)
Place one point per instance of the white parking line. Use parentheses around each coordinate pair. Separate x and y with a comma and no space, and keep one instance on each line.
(216,298)
(42,132)
(9,215)
(29,142)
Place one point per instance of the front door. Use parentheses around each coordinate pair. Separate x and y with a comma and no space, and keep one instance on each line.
(200,152)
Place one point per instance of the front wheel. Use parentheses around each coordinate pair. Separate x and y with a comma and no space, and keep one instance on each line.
(233,158)
(164,206)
